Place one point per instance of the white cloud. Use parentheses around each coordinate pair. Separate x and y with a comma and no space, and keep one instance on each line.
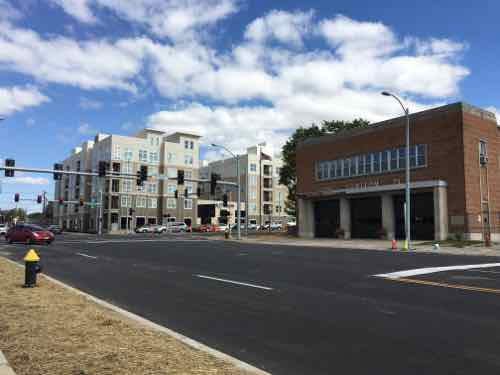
(80,9)
(16,98)
(281,26)
(26,180)
(262,87)
(85,129)
(87,103)
(96,64)
(496,111)
(175,19)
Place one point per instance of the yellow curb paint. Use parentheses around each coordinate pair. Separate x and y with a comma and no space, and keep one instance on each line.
(31,256)
(446,285)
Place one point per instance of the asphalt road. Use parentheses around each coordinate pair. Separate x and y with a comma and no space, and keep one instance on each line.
(291,310)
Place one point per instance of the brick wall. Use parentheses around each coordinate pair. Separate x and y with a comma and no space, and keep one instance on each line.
(475,129)
(440,129)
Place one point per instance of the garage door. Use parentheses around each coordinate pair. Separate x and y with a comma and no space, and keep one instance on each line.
(366,217)
(326,218)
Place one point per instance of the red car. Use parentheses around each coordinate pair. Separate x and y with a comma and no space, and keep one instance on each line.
(29,234)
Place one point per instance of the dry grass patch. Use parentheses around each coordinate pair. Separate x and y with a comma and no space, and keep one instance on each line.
(53,331)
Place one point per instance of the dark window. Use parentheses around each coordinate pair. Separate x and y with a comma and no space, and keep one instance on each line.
(394,159)
(361,165)
(483,155)
(376,162)
(347,167)
(384,164)
(413,156)
(421,155)
(115,186)
(114,202)
(339,168)
(402,157)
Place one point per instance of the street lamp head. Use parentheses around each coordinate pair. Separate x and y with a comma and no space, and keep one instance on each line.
(214,145)
(385,93)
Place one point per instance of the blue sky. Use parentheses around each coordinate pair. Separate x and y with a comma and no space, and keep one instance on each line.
(258,69)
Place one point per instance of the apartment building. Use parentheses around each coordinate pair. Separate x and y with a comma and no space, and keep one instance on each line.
(259,179)
(153,202)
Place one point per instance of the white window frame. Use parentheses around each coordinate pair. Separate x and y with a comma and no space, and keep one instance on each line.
(152,203)
(188,206)
(153,188)
(127,186)
(171,203)
(143,156)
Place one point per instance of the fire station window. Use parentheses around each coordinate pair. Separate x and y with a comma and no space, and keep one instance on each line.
(394,160)
(361,164)
(354,166)
(483,155)
(421,155)
(347,167)
(376,162)
(384,166)
(333,169)
(339,168)
(402,157)
(413,156)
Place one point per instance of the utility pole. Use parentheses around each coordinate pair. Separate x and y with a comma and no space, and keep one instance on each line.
(407,211)
(99,224)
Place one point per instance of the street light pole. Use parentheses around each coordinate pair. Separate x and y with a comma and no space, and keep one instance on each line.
(406,111)
(238,186)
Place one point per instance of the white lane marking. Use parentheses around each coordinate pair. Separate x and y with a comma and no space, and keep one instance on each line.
(428,270)
(145,240)
(86,255)
(234,282)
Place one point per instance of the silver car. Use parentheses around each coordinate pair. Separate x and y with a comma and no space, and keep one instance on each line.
(3,229)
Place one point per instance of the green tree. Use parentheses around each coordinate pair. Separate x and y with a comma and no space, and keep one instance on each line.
(288,173)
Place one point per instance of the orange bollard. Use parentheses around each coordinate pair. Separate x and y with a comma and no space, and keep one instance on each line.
(394,245)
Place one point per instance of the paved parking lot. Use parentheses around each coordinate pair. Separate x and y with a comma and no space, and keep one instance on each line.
(293,310)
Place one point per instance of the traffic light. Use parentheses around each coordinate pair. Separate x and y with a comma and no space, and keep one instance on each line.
(9,163)
(224,200)
(186,193)
(16,197)
(61,200)
(131,211)
(180,177)
(81,202)
(213,183)
(58,167)
(198,192)
(144,173)
(138,180)
(176,194)
(103,166)
(39,199)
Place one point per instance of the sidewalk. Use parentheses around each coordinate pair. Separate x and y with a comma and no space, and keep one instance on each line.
(445,247)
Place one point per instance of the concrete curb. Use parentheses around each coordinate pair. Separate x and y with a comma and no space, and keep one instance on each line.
(243,366)
(5,369)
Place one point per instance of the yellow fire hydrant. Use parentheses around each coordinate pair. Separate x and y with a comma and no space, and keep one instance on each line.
(32,268)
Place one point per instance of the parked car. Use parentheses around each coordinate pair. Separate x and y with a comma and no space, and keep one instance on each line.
(177,227)
(3,229)
(253,226)
(56,229)
(222,227)
(29,234)
(160,229)
(204,228)
(145,229)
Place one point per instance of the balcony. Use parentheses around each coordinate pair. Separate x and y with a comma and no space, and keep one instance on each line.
(267,170)
(267,183)
(267,209)
(268,196)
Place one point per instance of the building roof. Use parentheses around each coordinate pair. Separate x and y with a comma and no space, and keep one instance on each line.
(399,121)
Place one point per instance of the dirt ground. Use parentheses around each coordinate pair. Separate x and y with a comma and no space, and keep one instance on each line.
(52,331)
